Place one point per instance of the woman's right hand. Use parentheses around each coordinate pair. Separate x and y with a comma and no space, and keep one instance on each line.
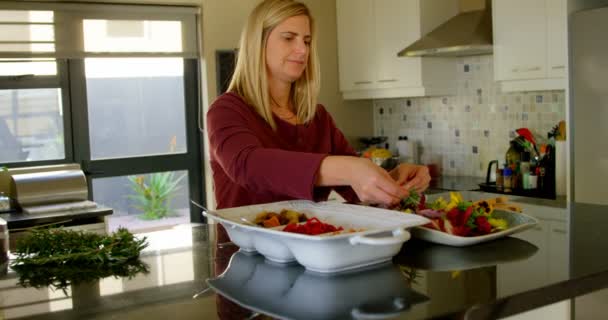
(373,184)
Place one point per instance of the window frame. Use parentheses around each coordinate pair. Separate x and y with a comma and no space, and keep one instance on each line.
(59,81)
(191,161)
(71,80)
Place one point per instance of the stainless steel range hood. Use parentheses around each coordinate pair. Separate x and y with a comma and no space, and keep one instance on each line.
(466,34)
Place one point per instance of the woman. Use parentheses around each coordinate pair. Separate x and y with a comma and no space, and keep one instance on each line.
(269,139)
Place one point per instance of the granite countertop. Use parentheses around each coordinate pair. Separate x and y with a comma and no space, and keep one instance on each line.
(556,261)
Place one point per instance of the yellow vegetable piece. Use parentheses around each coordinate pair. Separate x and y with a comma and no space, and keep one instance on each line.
(440,203)
(455,197)
(486,206)
(498,223)
(450,206)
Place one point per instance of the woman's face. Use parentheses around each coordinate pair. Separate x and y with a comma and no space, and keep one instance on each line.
(287,49)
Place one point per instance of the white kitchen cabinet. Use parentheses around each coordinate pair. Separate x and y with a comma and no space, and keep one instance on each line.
(557,18)
(356,23)
(529,44)
(372,32)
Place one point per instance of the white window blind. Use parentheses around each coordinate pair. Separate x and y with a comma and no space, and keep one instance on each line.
(30,30)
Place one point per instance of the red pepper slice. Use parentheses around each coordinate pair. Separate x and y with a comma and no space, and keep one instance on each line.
(312,227)
(466,215)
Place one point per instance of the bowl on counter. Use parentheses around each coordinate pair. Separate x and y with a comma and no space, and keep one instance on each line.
(387,163)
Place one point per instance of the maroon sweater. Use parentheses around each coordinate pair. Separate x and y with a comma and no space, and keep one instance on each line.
(253,164)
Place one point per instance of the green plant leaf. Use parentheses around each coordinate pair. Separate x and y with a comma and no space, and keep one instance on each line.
(152,195)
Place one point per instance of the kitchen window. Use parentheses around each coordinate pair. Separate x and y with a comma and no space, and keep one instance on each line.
(114,88)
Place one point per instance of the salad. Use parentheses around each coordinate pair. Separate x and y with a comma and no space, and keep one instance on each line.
(456,216)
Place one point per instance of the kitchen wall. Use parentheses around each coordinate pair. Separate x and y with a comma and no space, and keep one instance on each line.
(464,132)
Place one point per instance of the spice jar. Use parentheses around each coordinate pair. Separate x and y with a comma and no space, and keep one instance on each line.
(499,179)
(507,175)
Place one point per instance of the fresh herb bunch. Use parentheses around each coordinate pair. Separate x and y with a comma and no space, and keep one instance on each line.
(412,202)
(62,257)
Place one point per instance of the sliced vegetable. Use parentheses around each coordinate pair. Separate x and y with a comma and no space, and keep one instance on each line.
(312,227)
(483,226)
(272,222)
(430,213)
(458,217)
(498,224)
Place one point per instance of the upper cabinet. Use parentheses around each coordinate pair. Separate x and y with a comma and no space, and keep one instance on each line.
(372,32)
(557,29)
(529,44)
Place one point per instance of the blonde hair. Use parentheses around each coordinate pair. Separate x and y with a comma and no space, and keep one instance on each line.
(250,80)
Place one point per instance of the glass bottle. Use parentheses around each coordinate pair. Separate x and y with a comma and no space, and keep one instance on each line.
(5,204)
(499,179)
(524,169)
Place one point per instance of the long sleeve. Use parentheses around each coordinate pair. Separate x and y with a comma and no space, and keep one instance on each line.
(342,147)
(237,148)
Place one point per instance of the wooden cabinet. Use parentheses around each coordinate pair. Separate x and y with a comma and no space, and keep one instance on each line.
(529,44)
(372,32)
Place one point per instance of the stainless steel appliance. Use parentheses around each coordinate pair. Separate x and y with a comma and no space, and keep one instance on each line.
(589,103)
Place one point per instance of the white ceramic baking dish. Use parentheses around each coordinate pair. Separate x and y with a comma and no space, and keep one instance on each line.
(382,236)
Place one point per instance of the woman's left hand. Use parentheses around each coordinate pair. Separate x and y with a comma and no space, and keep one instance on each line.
(412,176)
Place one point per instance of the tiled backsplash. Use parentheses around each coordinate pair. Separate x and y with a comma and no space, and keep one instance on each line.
(464,132)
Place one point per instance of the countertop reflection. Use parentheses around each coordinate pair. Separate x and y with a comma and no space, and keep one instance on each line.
(191,278)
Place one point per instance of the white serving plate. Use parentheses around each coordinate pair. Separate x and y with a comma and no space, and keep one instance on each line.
(382,238)
(290,292)
(517,222)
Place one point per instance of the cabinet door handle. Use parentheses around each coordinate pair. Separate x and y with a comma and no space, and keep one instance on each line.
(560,231)
(388,80)
(362,82)
(531,69)
(558,67)
(538,228)
(515,70)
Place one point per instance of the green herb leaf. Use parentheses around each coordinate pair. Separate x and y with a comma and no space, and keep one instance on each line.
(411,202)
(462,206)
(59,257)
